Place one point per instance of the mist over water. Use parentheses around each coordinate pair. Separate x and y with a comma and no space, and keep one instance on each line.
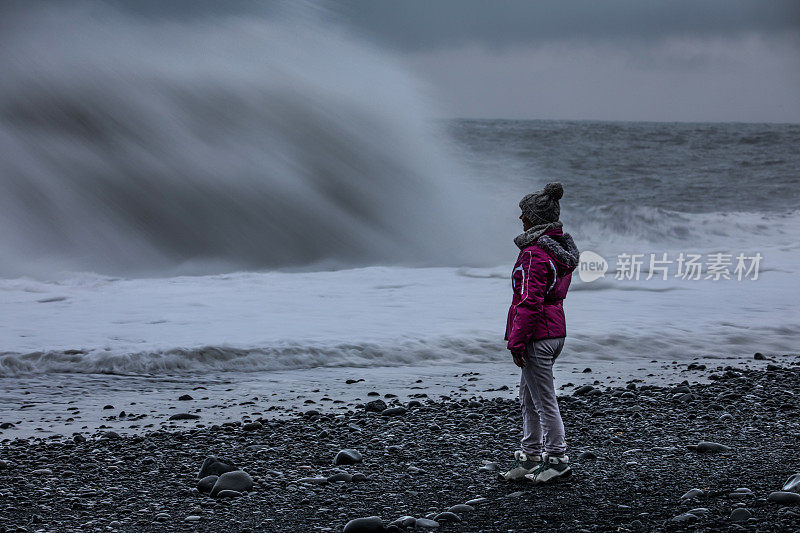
(132,147)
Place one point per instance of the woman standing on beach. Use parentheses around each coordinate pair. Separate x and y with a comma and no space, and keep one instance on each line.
(535,332)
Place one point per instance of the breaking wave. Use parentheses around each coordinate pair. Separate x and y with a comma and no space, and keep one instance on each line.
(282,356)
(140,147)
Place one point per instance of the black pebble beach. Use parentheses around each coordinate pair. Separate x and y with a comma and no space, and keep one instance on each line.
(636,454)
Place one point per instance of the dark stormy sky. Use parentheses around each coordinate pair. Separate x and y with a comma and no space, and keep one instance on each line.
(684,60)
(687,60)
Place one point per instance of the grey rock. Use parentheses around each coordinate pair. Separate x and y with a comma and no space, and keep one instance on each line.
(358,476)
(192,518)
(252,426)
(340,476)
(393,411)
(740,515)
(711,447)
(184,416)
(792,484)
(587,456)
(682,397)
(214,466)
(375,406)
(348,456)
(476,501)
(229,494)
(684,517)
(447,516)
(313,480)
(580,391)
(185,398)
(238,480)
(785,498)
(207,483)
(369,524)
(693,493)
(461,508)
(405,522)
(489,467)
(427,523)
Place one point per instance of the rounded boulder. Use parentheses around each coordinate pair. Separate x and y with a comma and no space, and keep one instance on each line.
(238,480)
(348,456)
(369,524)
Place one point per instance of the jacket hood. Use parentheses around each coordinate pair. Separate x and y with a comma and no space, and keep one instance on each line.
(532,234)
(560,247)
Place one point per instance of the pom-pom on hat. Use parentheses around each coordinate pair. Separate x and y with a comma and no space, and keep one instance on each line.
(542,207)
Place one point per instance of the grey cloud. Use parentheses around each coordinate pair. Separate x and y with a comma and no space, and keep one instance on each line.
(597,59)
(740,80)
(418,25)
(415,25)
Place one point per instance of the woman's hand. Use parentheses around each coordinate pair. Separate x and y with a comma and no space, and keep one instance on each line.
(519,359)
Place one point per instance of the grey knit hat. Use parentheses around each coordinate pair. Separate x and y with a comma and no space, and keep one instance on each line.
(541,207)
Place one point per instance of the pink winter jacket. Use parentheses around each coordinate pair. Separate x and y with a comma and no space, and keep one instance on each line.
(540,280)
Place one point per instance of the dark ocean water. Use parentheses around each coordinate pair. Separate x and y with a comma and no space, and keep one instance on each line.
(692,168)
(641,186)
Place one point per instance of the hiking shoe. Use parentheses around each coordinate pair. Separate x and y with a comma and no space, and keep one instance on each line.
(523,464)
(552,469)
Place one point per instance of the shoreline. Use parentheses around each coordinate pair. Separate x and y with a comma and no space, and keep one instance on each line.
(66,403)
(436,453)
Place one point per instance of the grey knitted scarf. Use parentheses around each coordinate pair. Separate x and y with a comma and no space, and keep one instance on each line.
(532,235)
